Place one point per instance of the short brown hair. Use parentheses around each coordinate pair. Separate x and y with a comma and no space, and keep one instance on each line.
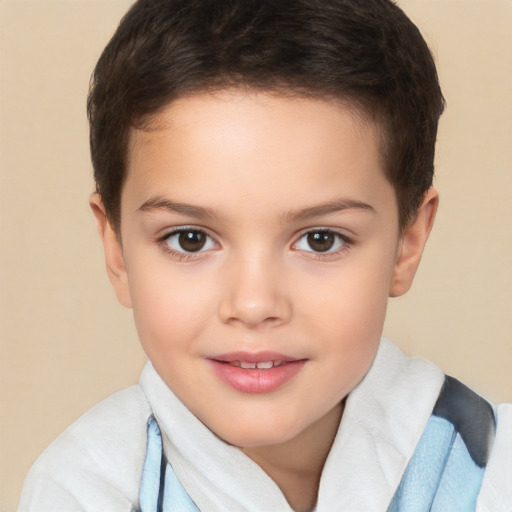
(364,52)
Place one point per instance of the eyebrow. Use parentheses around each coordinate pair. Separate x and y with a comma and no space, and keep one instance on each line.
(334,206)
(160,203)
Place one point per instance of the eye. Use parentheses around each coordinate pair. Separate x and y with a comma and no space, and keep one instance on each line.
(188,240)
(321,241)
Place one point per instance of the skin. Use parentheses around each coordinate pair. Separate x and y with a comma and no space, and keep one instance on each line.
(264,170)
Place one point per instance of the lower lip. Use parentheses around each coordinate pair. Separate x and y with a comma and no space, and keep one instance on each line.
(257,381)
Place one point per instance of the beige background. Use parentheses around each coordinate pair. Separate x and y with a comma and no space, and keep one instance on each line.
(66,343)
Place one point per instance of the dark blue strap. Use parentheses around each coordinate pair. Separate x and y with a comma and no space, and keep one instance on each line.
(471,416)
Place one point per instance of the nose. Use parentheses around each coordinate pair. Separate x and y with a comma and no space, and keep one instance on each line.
(255,293)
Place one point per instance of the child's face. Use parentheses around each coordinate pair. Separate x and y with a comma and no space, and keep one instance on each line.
(258,229)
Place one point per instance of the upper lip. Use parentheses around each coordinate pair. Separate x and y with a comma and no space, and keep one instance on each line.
(253,357)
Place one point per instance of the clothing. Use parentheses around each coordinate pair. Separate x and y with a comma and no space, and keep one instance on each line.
(97,464)
(444,474)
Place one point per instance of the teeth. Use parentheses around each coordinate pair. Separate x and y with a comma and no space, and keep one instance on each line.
(262,365)
(265,365)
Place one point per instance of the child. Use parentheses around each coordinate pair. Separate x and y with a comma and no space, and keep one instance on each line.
(263,173)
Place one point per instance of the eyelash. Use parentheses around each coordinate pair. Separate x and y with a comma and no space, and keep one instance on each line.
(346,244)
(163,242)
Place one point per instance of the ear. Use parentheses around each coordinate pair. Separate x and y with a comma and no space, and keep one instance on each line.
(412,242)
(113,250)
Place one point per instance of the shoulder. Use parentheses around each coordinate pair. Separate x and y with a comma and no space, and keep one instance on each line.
(484,433)
(464,456)
(95,464)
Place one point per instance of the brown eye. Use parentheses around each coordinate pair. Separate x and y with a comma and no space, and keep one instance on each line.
(321,241)
(186,240)
(192,241)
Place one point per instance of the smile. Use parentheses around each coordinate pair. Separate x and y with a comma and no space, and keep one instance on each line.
(262,372)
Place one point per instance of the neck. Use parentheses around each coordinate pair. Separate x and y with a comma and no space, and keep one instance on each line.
(296,465)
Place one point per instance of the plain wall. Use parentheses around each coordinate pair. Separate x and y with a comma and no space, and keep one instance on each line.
(66,343)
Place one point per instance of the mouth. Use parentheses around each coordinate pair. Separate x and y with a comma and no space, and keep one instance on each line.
(261,372)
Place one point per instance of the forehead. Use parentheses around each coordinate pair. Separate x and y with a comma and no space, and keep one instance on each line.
(255,145)
(248,108)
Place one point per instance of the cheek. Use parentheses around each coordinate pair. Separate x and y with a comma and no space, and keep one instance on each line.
(169,308)
(353,322)
(348,311)
(351,298)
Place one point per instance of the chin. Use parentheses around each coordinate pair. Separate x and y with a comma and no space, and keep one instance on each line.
(242,435)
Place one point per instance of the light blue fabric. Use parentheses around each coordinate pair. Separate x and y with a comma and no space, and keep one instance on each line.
(461,481)
(150,481)
(176,498)
(153,497)
(441,475)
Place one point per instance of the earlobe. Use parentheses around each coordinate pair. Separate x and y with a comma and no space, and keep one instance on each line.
(113,252)
(412,242)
